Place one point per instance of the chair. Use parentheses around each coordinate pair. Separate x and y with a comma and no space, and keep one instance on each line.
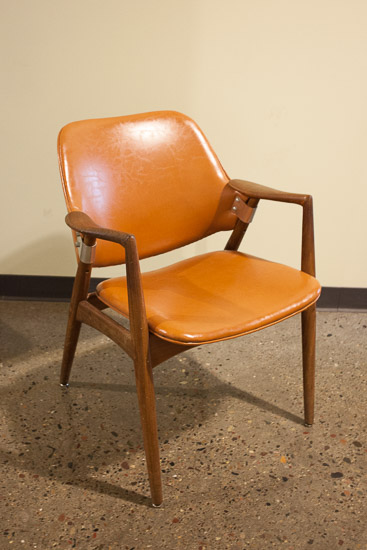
(141,185)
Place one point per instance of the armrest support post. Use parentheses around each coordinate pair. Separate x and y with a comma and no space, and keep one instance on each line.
(137,313)
(308,244)
(256,191)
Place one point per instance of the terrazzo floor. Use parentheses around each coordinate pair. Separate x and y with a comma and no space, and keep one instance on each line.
(240,470)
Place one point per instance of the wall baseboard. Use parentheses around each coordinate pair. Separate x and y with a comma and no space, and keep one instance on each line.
(58,289)
(46,288)
(341,298)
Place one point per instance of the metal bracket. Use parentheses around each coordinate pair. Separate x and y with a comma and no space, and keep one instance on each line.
(78,241)
(87,253)
(242,210)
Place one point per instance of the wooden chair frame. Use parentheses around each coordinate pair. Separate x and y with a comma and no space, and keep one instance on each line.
(146,349)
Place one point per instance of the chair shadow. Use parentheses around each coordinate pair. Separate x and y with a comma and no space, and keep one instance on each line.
(12,344)
(68,435)
(223,389)
(94,485)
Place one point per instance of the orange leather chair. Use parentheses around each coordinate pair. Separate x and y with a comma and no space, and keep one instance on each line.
(137,186)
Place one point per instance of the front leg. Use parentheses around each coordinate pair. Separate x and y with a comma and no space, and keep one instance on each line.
(148,417)
(308,353)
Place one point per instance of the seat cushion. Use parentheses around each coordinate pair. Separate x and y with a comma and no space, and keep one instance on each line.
(216,296)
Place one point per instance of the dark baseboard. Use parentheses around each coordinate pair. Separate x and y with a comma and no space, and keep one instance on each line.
(39,287)
(340,298)
(58,289)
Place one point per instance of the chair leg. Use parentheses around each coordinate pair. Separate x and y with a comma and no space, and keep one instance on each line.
(80,291)
(308,352)
(71,340)
(148,416)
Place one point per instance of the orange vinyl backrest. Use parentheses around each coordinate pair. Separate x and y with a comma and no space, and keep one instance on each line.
(153,175)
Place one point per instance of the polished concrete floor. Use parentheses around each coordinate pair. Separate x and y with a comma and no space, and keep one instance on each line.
(240,470)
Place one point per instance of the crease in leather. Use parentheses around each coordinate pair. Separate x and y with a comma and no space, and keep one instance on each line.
(216,296)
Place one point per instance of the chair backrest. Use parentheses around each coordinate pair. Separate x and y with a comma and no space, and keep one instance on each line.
(153,175)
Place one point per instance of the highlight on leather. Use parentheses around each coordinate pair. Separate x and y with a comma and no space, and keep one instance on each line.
(153,175)
(215,296)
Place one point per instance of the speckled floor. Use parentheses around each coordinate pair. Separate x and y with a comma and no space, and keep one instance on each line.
(239,468)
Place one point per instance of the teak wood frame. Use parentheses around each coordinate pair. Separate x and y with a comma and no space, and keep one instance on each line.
(147,350)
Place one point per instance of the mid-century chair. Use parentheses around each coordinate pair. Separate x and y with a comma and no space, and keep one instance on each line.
(141,185)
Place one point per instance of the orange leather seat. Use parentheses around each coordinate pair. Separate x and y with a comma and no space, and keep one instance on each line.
(140,185)
(215,296)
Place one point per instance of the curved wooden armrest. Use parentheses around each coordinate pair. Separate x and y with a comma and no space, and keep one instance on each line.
(81,222)
(256,191)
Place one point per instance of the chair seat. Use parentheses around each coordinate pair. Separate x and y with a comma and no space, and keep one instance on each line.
(216,296)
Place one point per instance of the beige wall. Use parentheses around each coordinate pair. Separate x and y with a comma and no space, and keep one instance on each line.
(278,86)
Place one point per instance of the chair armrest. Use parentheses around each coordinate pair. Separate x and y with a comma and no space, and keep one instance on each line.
(82,223)
(256,191)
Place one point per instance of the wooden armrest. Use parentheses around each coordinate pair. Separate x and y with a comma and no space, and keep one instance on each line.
(256,191)
(81,222)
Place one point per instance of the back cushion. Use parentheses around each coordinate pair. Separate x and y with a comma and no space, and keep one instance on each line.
(153,175)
